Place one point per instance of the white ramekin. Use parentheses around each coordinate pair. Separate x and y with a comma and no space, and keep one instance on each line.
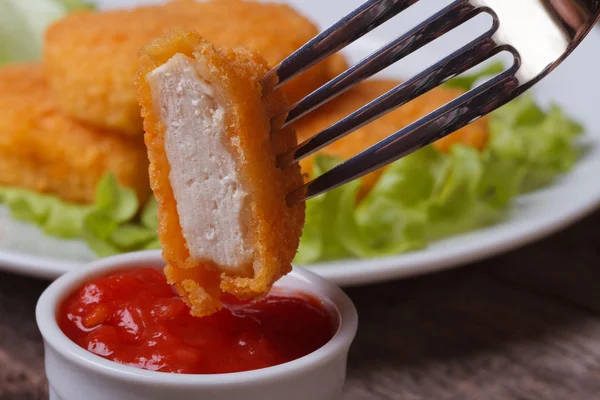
(76,374)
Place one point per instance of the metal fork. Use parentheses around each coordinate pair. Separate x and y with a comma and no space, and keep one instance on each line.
(539,34)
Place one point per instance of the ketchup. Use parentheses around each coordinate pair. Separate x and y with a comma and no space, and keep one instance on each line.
(134,317)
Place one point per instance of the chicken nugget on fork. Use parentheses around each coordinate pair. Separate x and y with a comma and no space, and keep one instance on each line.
(224,224)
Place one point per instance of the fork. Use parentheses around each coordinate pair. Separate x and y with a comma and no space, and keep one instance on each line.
(538,34)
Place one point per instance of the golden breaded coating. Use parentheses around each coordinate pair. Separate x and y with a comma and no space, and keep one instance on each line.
(274,227)
(45,151)
(90,57)
(474,135)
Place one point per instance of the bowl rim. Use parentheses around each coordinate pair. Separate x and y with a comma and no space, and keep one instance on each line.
(56,292)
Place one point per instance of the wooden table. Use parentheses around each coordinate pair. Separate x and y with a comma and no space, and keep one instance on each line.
(521,326)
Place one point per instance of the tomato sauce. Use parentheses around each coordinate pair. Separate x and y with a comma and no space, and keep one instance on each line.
(134,317)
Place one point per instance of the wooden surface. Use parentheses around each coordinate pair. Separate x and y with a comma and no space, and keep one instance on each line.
(525,325)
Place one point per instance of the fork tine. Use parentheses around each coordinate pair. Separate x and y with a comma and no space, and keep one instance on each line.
(463,59)
(435,26)
(445,120)
(353,26)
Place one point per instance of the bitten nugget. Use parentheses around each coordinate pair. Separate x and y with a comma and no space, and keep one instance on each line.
(45,151)
(474,135)
(224,222)
(90,57)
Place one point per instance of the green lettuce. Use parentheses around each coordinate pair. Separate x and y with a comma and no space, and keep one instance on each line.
(541,143)
(319,240)
(54,216)
(23,22)
(109,226)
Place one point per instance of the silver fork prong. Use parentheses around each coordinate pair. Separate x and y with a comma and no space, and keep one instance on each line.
(443,121)
(432,28)
(460,61)
(353,26)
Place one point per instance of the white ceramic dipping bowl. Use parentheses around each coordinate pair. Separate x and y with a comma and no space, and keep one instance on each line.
(76,374)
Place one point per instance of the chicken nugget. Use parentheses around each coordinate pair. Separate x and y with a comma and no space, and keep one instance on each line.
(45,151)
(90,57)
(474,135)
(224,222)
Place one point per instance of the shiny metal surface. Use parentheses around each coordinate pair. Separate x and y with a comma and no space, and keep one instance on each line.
(538,33)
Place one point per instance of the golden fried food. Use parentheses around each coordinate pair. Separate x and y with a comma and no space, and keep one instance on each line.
(90,57)
(45,151)
(474,135)
(224,222)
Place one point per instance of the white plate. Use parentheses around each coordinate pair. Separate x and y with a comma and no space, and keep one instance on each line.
(26,250)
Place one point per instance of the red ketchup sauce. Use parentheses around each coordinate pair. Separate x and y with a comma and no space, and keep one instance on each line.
(135,318)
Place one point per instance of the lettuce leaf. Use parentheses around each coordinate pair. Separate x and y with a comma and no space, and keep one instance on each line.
(542,143)
(109,225)
(149,217)
(54,216)
(110,228)
(23,23)
(318,239)
(74,5)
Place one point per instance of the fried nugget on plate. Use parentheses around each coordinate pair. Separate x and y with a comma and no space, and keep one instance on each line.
(90,57)
(224,222)
(474,135)
(45,151)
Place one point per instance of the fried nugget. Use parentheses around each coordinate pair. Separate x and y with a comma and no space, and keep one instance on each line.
(90,57)
(224,222)
(45,151)
(474,135)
